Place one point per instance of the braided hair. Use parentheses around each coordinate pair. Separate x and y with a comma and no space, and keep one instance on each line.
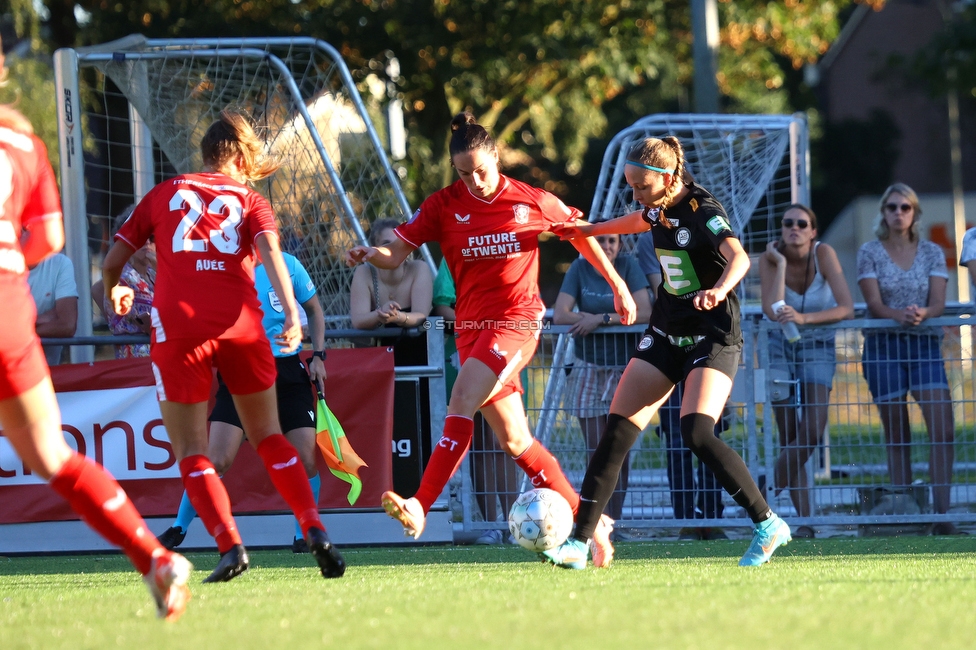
(665,153)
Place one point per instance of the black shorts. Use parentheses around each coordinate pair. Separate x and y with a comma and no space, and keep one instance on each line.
(677,361)
(296,402)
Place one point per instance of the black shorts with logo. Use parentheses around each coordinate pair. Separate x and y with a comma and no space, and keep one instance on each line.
(676,361)
(296,402)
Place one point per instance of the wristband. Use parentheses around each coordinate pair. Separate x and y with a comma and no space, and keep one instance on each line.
(319,354)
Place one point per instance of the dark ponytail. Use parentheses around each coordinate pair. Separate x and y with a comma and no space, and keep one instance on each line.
(468,135)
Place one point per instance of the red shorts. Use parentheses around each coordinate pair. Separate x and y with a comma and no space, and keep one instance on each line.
(22,363)
(505,351)
(184,367)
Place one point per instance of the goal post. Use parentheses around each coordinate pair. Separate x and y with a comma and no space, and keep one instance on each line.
(132,112)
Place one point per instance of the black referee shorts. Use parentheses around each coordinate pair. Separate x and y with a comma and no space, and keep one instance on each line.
(296,401)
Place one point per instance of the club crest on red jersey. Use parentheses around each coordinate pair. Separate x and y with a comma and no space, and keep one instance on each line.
(521,213)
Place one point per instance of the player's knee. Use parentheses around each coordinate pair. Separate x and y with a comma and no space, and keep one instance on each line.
(514,445)
(464,400)
(222,460)
(697,431)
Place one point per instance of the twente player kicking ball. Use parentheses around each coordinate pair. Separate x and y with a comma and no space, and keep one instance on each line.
(488,226)
(693,337)
(206,313)
(29,415)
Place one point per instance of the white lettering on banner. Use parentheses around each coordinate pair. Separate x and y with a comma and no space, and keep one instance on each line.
(119,428)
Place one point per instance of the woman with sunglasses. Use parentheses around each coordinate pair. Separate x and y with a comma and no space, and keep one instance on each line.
(806,275)
(694,336)
(904,278)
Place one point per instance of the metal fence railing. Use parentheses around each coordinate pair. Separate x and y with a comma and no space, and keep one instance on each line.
(850,473)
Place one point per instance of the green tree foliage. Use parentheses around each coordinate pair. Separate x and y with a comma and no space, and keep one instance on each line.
(541,74)
(29,85)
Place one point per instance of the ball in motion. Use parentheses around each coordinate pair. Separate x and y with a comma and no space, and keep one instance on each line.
(540,519)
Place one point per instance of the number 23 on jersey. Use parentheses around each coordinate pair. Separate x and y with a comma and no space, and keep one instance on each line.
(225,238)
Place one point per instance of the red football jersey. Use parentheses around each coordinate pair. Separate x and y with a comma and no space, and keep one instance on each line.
(491,247)
(28,194)
(204,225)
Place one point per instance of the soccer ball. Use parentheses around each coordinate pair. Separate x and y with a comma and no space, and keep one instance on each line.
(540,519)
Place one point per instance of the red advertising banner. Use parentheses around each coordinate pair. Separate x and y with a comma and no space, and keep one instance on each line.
(110,414)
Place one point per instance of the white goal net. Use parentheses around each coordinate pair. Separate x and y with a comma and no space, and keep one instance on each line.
(134,111)
(755,165)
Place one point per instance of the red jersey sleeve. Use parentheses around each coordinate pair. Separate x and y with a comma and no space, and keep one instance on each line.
(555,211)
(424,225)
(44,202)
(260,216)
(139,226)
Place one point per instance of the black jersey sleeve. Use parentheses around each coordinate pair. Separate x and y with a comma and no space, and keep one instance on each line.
(714,221)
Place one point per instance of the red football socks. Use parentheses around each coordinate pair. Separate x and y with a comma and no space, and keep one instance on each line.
(101,502)
(288,476)
(209,498)
(445,459)
(544,471)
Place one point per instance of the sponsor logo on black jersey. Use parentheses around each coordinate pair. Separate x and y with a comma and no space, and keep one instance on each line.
(682,237)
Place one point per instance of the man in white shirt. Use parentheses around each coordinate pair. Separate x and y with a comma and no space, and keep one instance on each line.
(967,257)
(52,284)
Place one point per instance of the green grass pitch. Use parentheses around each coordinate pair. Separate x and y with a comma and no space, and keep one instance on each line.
(911,592)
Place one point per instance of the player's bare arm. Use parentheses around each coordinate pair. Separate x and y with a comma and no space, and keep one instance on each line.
(625,225)
(291,334)
(623,302)
(389,256)
(122,297)
(738,266)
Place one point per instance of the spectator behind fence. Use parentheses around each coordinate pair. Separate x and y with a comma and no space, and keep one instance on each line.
(904,278)
(807,276)
(689,500)
(600,359)
(493,474)
(53,287)
(967,257)
(139,274)
(399,297)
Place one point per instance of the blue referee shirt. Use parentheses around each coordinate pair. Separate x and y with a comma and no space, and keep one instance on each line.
(274,313)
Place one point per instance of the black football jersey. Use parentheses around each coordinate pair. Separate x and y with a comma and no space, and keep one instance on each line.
(690,263)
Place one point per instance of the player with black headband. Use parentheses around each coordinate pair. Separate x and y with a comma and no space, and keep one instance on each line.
(693,336)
